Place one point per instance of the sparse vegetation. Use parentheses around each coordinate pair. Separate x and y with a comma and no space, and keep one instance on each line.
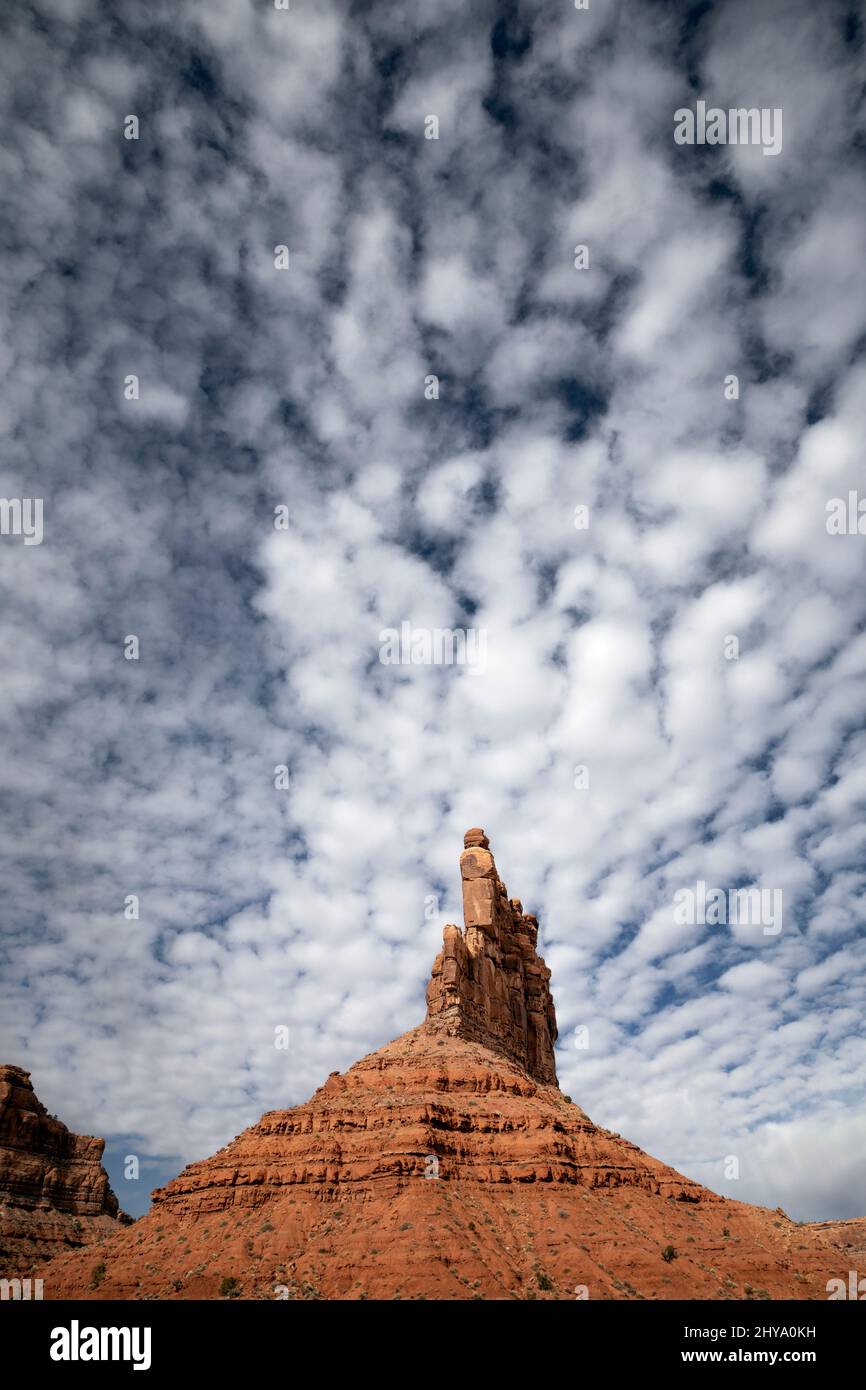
(97,1275)
(229,1287)
(669,1253)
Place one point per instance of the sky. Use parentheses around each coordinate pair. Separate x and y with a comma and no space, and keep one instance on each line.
(616,744)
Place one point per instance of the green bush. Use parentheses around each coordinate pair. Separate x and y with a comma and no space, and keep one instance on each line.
(669,1253)
(229,1287)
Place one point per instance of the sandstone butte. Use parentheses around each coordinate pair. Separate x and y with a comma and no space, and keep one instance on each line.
(54,1191)
(449,1165)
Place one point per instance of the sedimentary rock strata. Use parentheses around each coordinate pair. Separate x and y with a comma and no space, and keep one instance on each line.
(54,1191)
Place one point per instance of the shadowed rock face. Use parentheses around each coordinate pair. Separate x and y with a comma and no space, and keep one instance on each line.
(488,983)
(43,1165)
(448,1164)
(53,1188)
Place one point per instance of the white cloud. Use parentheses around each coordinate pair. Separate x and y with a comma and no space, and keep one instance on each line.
(305,907)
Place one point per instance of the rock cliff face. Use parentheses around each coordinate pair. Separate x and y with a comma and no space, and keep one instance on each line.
(53,1188)
(488,983)
(449,1165)
(422,1104)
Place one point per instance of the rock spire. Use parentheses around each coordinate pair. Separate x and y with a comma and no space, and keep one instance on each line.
(489,984)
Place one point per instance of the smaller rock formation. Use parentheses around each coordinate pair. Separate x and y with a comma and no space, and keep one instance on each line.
(488,983)
(53,1189)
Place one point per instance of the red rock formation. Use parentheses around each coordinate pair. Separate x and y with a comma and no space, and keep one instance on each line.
(480,1119)
(53,1188)
(488,984)
(449,1165)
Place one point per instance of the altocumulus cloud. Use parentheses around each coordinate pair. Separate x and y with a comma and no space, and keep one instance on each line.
(608,646)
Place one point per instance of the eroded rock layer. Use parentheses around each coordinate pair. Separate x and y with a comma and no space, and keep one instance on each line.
(435,1168)
(54,1191)
(423,1103)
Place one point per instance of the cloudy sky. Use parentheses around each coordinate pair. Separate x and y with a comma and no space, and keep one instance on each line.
(608,647)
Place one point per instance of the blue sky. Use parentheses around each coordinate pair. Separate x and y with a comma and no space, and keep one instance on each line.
(306,907)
